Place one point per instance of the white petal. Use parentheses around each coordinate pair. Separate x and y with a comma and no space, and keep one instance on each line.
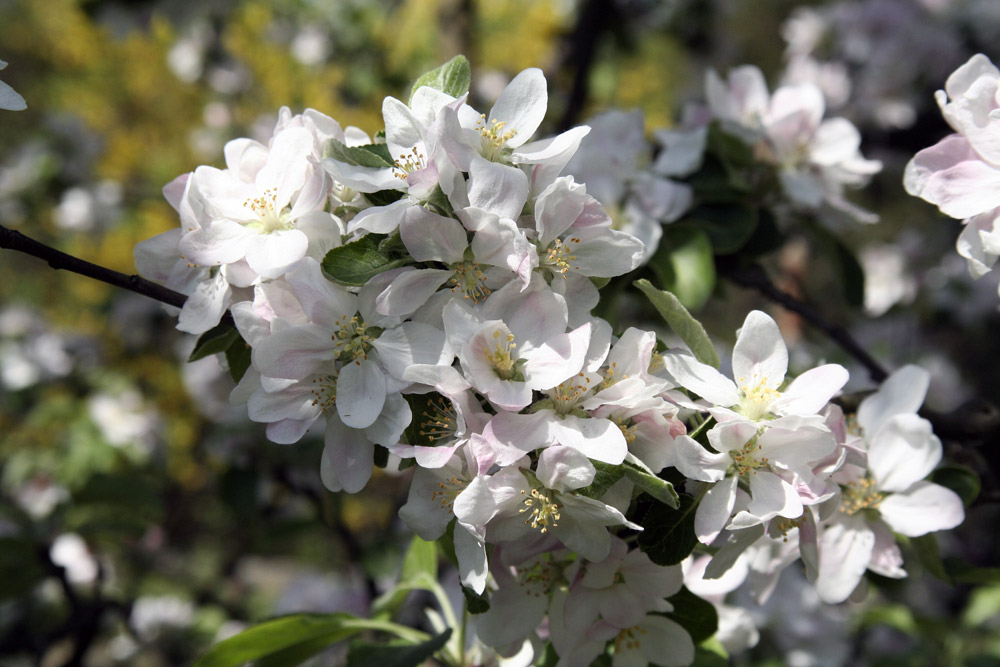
(702,379)
(809,392)
(845,548)
(348,458)
(714,510)
(760,354)
(360,393)
(902,452)
(902,392)
(497,188)
(521,105)
(921,509)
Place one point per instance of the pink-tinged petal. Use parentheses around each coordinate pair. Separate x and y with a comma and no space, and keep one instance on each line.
(288,431)
(205,305)
(732,435)
(412,343)
(921,509)
(381,219)
(470,551)
(527,432)
(605,253)
(360,393)
(214,194)
(557,208)
(323,301)
(743,96)
(795,449)
(395,417)
(560,358)
(809,392)
(760,355)
(886,557)
(476,504)
(845,549)
(714,510)
(564,468)
(951,175)
(902,392)
(409,291)
(598,439)
(497,188)
(221,242)
(696,462)
(902,452)
(701,378)
(772,496)
(295,352)
(970,244)
(270,255)
(515,613)
(348,458)
(664,642)
(156,257)
(296,402)
(521,106)
(431,237)
(424,513)
(973,92)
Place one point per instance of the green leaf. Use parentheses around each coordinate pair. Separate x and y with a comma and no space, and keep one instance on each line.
(896,616)
(395,654)
(280,634)
(375,156)
(962,572)
(420,562)
(852,276)
(660,489)
(766,238)
(926,548)
(238,357)
(680,320)
(355,263)
(668,536)
(730,149)
(960,479)
(694,614)
(475,603)
(215,340)
(684,264)
(452,78)
(605,477)
(383,197)
(729,225)
(20,567)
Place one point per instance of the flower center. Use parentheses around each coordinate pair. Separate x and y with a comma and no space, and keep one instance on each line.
(269,219)
(353,339)
(408,163)
(748,459)
(324,391)
(439,419)
(470,280)
(757,398)
(559,256)
(543,512)
(568,393)
(448,490)
(494,139)
(629,639)
(860,495)
(501,354)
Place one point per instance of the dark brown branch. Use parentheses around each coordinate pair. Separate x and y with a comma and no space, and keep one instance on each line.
(754,277)
(14,240)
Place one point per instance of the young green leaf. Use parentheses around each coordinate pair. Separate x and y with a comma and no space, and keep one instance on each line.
(685,265)
(452,78)
(680,320)
(694,614)
(396,654)
(668,536)
(238,358)
(660,489)
(728,225)
(375,156)
(215,340)
(355,263)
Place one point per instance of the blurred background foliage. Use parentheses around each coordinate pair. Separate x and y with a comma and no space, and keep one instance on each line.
(142,518)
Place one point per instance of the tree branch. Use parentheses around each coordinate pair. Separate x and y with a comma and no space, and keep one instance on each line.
(754,277)
(14,240)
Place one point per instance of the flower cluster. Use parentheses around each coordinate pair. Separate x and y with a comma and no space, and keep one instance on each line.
(960,173)
(431,293)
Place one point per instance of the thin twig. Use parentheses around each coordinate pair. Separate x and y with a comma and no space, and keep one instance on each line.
(57,259)
(754,277)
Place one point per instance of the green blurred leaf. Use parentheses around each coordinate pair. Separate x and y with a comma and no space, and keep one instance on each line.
(395,654)
(383,197)
(357,262)
(984,604)
(683,324)
(960,479)
(684,264)
(767,237)
(20,567)
(694,614)
(295,637)
(420,562)
(729,225)
(658,488)
(962,572)
(238,357)
(375,156)
(215,340)
(668,536)
(926,549)
(475,603)
(852,276)
(452,78)
(896,616)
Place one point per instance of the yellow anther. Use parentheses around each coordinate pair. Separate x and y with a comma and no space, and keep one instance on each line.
(544,513)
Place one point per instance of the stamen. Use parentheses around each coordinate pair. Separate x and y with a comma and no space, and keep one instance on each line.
(448,490)
(544,513)
(408,163)
(439,420)
(470,280)
(757,398)
(559,256)
(860,495)
(501,356)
